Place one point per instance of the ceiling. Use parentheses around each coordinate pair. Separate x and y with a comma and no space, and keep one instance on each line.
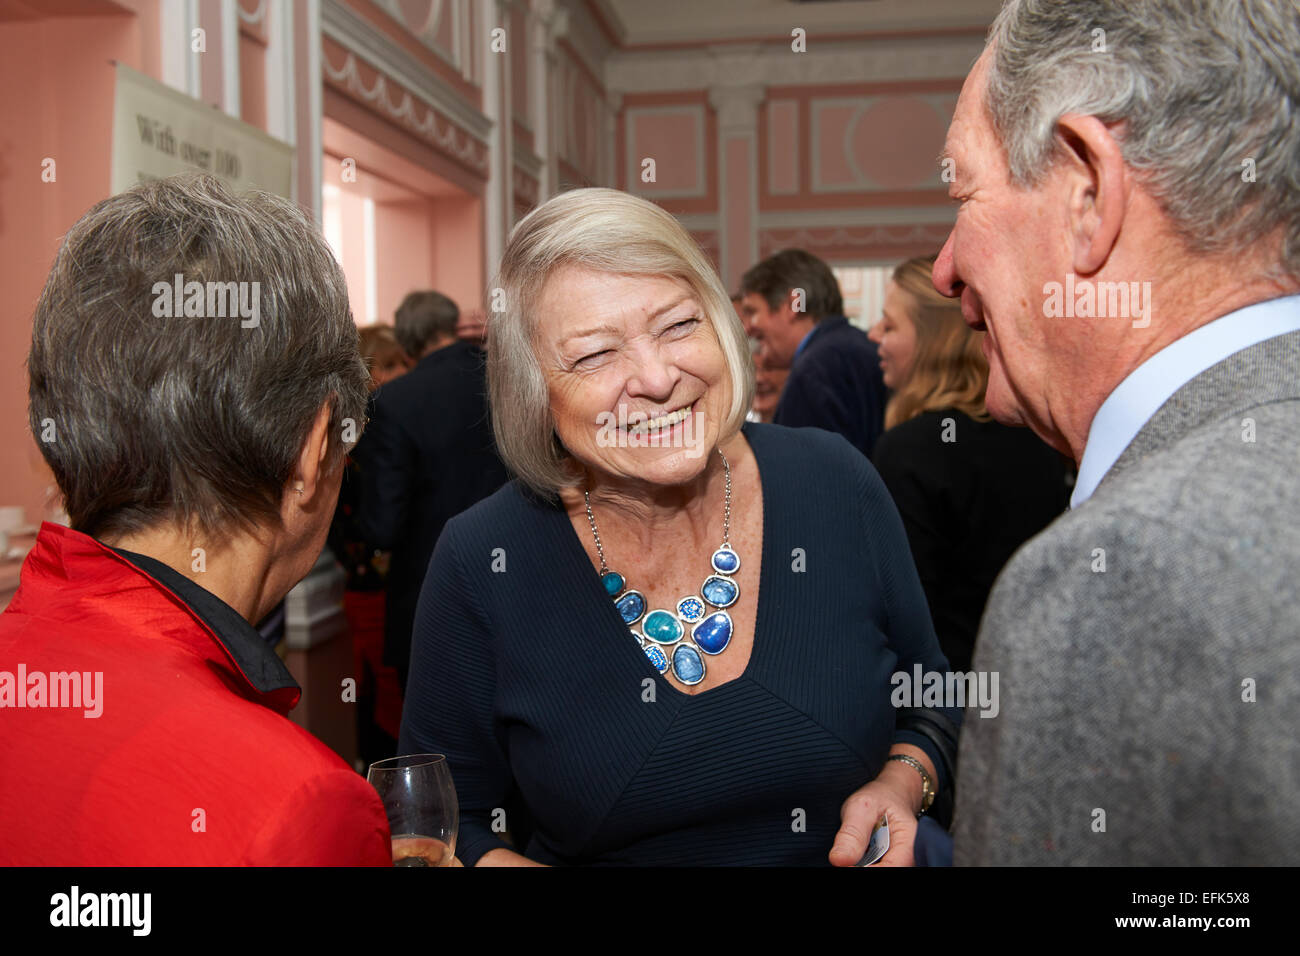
(671,22)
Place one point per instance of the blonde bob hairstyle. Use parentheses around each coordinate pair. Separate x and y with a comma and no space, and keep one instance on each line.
(949,369)
(604,230)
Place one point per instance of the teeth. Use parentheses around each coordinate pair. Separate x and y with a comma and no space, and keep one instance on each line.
(664,421)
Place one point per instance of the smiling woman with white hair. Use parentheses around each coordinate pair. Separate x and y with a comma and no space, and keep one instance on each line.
(662,639)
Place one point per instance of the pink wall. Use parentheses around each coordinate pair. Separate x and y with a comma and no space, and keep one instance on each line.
(856,145)
(404,258)
(458,250)
(57,88)
(666,126)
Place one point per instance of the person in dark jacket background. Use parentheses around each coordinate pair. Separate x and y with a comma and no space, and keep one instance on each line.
(379,693)
(426,455)
(792,303)
(971,491)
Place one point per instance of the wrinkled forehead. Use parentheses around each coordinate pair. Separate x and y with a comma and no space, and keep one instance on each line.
(970,134)
(574,296)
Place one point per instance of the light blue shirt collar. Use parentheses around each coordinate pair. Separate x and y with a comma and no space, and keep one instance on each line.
(1151,384)
(803,342)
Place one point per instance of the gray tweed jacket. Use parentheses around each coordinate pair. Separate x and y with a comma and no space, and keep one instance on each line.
(1150,711)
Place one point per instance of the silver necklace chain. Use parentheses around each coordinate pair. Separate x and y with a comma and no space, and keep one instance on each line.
(726,517)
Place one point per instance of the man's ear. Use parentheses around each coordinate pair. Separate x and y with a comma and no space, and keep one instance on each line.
(789,313)
(1098,185)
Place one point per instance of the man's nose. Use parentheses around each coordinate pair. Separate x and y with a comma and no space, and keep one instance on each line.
(944,277)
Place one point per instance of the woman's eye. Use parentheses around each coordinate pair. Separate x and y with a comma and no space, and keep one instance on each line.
(590,359)
(682,325)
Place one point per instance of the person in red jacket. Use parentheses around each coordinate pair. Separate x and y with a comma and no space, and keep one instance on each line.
(195,384)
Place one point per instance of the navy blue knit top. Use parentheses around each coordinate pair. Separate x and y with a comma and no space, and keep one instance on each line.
(524,674)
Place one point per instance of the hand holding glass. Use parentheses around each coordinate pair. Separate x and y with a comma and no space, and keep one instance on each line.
(420,801)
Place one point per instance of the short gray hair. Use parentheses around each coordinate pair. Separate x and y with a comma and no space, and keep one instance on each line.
(607,231)
(199,421)
(424,317)
(1201,86)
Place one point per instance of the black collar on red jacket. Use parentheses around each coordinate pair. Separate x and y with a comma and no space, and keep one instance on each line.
(260,664)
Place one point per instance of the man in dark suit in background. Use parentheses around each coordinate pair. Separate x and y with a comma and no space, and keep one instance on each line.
(792,303)
(426,455)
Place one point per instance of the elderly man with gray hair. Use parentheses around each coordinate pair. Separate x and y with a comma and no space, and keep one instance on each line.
(1129,236)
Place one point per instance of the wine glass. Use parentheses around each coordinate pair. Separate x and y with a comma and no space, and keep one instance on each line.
(420,800)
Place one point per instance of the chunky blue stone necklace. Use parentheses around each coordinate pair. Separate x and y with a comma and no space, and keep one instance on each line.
(678,640)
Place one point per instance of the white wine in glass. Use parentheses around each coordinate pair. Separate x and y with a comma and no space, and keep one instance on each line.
(420,800)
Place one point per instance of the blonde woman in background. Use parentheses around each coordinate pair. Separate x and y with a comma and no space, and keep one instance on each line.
(970,490)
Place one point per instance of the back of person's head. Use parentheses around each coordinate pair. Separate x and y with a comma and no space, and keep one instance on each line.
(182,348)
(775,277)
(383,354)
(424,318)
(948,368)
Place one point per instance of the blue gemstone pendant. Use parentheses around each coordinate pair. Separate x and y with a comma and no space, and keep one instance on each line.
(726,561)
(691,609)
(720,591)
(662,627)
(657,657)
(713,634)
(613,582)
(688,664)
(631,605)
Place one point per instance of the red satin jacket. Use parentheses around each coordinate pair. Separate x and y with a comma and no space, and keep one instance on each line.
(130,734)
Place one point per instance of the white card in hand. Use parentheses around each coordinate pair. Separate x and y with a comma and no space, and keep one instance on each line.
(878,845)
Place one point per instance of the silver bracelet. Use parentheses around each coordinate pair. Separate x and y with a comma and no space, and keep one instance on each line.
(927,785)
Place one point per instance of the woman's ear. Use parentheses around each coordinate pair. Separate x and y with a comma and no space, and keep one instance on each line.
(313,457)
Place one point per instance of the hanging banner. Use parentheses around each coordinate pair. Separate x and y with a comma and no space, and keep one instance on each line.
(159,132)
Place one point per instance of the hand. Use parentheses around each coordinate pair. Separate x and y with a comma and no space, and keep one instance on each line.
(858,817)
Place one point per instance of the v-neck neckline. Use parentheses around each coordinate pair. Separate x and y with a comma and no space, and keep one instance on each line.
(764,587)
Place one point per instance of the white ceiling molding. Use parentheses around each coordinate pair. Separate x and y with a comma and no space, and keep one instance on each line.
(471,152)
(257,15)
(666,22)
(357,35)
(737,107)
(864,61)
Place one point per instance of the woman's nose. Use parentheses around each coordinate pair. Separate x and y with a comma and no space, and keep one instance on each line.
(654,375)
